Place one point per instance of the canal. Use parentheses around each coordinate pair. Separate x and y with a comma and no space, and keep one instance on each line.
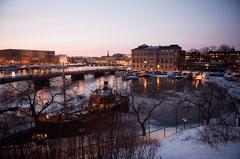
(168,90)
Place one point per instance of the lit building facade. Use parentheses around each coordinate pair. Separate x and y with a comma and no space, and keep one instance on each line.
(212,61)
(25,57)
(62,58)
(155,58)
(230,58)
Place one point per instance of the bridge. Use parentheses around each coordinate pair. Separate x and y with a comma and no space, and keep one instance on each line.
(75,75)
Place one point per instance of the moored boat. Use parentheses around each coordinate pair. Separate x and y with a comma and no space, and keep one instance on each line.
(178,77)
(171,75)
(107,99)
(201,76)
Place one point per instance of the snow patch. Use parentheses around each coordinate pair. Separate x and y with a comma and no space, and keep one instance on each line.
(185,145)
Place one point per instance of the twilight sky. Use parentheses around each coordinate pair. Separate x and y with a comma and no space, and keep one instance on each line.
(91,27)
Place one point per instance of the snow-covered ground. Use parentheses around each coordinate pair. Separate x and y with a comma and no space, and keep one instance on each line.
(232,87)
(186,145)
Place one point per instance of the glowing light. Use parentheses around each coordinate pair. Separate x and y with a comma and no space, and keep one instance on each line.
(196,84)
(13,74)
(199,77)
(158,82)
(145,83)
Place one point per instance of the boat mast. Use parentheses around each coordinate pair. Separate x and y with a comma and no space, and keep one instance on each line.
(64,90)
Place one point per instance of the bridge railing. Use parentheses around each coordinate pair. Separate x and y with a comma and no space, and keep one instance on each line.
(15,74)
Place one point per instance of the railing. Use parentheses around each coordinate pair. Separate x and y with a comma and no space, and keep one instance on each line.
(164,132)
(56,71)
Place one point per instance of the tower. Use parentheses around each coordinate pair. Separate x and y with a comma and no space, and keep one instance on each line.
(108,57)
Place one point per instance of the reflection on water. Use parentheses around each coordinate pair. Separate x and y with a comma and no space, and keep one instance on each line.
(150,87)
(78,86)
(13,74)
(158,81)
(34,71)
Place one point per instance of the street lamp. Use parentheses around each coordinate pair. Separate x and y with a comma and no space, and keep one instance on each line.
(184,122)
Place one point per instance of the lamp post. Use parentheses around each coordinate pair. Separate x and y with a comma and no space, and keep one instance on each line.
(184,122)
(176,117)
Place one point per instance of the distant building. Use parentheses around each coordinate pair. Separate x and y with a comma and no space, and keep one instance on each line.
(120,59)
(26,57)
(93,60)
(63,58)
(212,61)
(230,58)
(78,60)
(105,59)
(60,59)
(155,58)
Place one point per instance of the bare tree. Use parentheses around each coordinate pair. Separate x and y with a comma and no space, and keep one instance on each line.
(224,47)
(36,101)
(216,106)
(234,105)
(208,100)
(143,110)
(213,48)
(193,50)
(115,136)
(204,50)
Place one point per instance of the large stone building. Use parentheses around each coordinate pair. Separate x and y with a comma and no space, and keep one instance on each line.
(25,57)
(155,58)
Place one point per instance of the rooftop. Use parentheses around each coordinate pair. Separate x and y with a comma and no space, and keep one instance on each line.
(144,46)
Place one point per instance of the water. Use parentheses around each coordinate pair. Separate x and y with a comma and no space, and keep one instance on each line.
(144,88)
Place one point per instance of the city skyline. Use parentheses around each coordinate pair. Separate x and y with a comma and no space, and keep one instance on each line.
(91,28)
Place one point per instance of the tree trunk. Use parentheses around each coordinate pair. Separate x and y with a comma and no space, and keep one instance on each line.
(143,129)
(36,121)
